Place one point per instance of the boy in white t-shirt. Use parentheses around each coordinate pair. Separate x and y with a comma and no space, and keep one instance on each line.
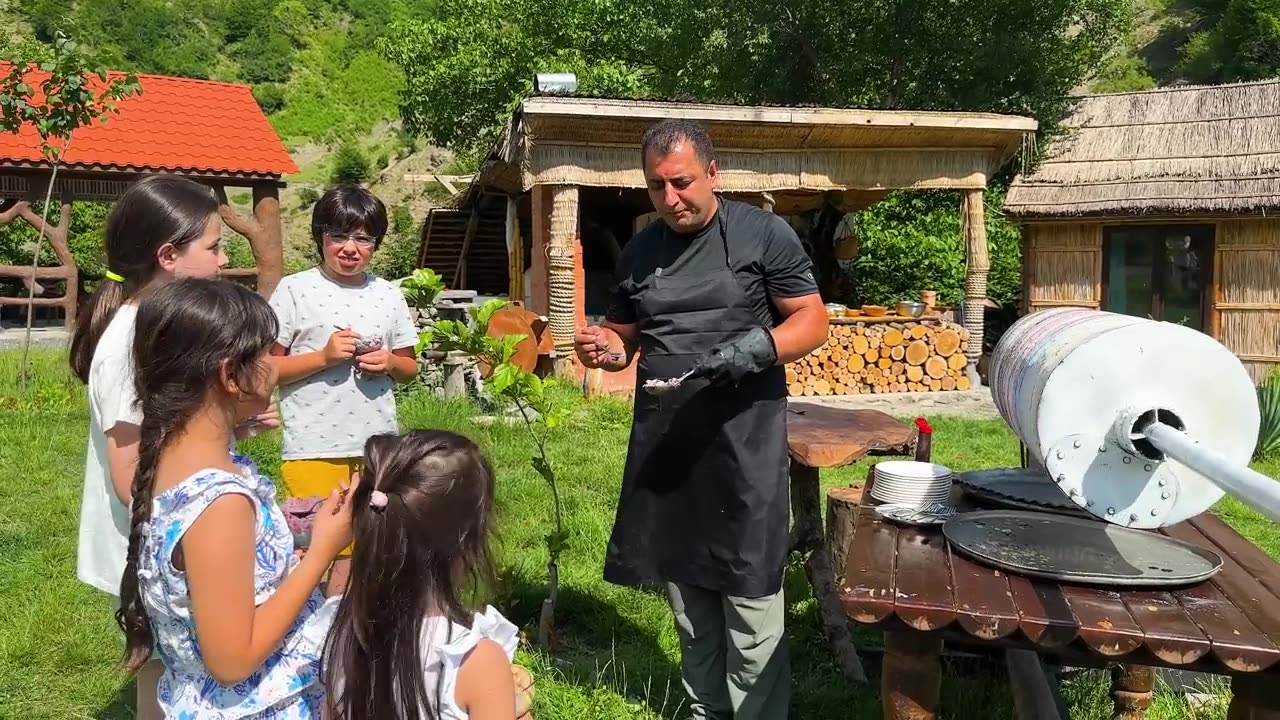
(346,338)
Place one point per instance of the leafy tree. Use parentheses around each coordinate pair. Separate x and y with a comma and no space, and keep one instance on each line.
(466,65)
(911,241)
(397,256)
(1124,73)
(1243,45)
(540,414)
(55,95)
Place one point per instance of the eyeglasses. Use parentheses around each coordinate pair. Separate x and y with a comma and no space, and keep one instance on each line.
(341,238)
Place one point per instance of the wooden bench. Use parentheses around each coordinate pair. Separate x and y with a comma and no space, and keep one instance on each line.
(907,581)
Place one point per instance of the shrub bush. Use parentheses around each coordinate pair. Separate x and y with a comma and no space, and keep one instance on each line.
(911,241)
(350,164)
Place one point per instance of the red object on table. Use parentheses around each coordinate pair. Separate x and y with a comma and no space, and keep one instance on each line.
(924,440)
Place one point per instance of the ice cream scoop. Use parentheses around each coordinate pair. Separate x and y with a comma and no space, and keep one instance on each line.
(658,386)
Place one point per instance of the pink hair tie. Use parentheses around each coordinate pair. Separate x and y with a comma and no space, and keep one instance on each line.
(377,500)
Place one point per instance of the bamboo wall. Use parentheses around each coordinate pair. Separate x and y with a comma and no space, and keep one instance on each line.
(1246,269)
(1062,266)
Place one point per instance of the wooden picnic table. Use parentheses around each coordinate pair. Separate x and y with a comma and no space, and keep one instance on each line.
(826,437)
(909,582)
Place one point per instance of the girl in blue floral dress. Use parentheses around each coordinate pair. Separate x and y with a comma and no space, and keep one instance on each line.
(212,581)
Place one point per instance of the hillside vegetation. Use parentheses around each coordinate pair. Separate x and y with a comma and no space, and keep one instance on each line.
(1195,41)
(385,84)
(314,69)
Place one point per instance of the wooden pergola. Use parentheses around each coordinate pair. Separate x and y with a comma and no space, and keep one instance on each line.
(559,154)
(211,132)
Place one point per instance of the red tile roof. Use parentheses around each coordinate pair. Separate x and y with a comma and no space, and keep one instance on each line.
(174,124)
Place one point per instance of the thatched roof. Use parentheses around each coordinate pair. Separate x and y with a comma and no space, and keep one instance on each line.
(596,142)
(1179,151)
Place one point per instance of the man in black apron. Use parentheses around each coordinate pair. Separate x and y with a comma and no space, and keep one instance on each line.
(725,289)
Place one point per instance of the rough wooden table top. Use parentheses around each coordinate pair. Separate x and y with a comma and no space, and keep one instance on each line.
(1228,625)
(824,437)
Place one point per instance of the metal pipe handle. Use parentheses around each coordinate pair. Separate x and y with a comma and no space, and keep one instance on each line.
(1255,489)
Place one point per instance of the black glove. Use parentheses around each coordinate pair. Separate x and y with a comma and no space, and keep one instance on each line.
(733,360)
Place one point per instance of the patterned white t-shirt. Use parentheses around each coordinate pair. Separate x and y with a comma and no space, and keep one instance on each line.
(330,414)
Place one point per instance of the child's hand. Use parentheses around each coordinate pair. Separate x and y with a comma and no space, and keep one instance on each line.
(331,529)
(266,420)
(375,362)
(341,346)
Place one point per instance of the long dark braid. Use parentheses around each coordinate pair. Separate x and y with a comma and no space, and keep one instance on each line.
(186,332)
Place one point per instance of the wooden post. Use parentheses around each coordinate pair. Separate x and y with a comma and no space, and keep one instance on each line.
(455,382)
(807,539)
(911,675)
(842,513)
(1131,691)
(515,253)
(564,261)
(473,223)
(538,290)
(977,266)
(263,230)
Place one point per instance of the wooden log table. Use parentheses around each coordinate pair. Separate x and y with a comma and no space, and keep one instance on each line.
(907,581)
(824,437)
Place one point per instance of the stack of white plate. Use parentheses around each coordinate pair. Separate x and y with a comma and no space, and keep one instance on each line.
(912,483)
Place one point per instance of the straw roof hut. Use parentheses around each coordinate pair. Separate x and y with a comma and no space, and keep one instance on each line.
(563,188)
(1163,203)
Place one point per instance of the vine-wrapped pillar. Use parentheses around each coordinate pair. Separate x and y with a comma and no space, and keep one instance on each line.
(976,268)
(565,291)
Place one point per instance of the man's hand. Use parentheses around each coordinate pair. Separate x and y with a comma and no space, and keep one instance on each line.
(592,345)
(341,346)
(733,360)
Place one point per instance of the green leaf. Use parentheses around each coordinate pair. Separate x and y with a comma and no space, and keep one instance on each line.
(557,542)
(485,312)
(504,377)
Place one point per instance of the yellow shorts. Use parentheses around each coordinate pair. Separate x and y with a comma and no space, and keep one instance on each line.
(306,478)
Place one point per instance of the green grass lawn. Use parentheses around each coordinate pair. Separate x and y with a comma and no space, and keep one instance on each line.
(617,655)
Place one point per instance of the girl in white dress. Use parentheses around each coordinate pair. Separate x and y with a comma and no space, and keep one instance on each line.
(403,644)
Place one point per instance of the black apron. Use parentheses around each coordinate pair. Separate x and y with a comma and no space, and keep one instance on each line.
(704,495)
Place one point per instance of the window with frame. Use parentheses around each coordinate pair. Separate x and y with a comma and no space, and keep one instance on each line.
(1163,272)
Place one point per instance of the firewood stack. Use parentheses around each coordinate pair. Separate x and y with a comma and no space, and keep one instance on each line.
(883,357)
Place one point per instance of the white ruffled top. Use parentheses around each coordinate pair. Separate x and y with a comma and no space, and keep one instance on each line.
(445,646)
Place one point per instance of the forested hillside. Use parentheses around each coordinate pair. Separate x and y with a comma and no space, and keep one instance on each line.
(1196,41)
(336,77)
(314,68)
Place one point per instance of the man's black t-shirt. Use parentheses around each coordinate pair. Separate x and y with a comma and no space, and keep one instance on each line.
(766,254)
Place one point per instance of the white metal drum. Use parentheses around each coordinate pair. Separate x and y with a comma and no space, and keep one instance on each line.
(1077,386)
